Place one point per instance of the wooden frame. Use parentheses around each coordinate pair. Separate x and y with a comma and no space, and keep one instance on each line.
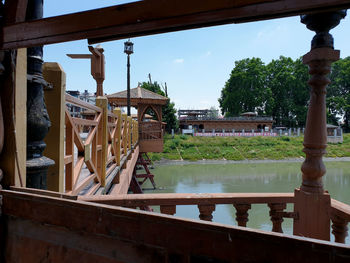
(152,17)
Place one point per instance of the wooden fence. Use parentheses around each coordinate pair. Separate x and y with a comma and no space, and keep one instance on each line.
(99,140)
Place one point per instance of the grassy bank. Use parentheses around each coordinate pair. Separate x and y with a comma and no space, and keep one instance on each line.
(240,148)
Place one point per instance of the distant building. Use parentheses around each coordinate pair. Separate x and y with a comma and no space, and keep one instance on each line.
(205,120)
(85,96)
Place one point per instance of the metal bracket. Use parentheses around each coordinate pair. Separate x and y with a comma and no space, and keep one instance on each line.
(39,80)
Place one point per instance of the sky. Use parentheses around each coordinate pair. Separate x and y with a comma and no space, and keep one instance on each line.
(195,64)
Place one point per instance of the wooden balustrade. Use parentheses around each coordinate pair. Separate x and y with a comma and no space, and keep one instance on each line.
(206,204)
(105,148)
(340,217)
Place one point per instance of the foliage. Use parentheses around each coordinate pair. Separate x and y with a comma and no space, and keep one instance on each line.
(244,91)
(338,96)
(214,113)
(278,89)
(168,111)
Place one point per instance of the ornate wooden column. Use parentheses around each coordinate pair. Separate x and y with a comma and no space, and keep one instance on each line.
(38,122)
(312,202)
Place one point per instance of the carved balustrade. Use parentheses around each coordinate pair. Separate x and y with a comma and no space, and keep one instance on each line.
(206,203)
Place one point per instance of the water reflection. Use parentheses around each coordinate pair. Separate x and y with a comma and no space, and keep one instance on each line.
(238,178)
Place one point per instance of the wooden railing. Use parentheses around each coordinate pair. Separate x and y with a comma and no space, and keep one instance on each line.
(206,203)
(110,137)
(340,216)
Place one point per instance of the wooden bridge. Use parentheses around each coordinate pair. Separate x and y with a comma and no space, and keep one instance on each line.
(87,215)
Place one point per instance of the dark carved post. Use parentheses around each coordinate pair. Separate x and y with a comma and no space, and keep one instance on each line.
(311,201)
(276,215)
(339,228)
(205,212)
(38,121)
(242,214)
(168,209)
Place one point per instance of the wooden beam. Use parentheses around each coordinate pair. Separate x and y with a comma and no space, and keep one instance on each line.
(152,17)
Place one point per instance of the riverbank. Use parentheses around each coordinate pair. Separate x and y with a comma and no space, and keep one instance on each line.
(289,160)
(241,149)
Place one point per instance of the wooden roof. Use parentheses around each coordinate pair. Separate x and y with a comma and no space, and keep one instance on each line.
(137,96)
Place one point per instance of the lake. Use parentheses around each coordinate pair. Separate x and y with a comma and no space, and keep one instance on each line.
(245,177)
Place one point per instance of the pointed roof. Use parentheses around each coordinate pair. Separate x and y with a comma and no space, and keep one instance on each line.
(137,96)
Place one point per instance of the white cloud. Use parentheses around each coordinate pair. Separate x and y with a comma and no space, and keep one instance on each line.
(178,60)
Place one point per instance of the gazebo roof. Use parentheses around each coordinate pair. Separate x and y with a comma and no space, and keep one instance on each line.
(137,96)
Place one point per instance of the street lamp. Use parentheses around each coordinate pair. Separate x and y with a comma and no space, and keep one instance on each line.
(128,49)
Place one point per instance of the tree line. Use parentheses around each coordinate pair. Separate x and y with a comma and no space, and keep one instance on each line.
(279,89)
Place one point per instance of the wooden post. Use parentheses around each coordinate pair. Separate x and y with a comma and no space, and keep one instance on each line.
(242,214)
(102,139)
(15,141)
(125,139)
(168,209)
(118,113)
(129,132)
(276,211)
(55,101)
(339,228)
(205,212)
(312,203)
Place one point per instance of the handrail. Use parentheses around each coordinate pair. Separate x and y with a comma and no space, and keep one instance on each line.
(80,103)
(191,199)
(108,135)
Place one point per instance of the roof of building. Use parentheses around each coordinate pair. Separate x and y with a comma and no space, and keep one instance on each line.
(137,96)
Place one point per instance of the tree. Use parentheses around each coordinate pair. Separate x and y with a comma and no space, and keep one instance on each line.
(287,80)
(214,113)
(168,111)
(338,97)
(244,91)
(278,89)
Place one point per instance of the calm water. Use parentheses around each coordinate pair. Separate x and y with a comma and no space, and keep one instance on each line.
(236,178)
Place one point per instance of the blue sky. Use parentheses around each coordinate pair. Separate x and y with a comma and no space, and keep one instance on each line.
(195,64)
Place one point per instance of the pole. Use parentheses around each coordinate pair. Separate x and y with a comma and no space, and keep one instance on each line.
(128,86)
(38,122)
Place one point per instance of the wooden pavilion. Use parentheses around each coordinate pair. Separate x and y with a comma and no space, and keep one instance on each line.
(46,226)
(150,130)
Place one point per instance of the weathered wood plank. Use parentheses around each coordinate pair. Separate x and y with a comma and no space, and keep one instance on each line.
(152,17)
(63,230)
(125,175)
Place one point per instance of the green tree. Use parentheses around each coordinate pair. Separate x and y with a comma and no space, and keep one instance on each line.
(168,110)
(214,113)
(287,80)
(245,89)
(338,97)
(278,89)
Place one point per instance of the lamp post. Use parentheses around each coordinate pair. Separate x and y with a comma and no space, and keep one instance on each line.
(128,49)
